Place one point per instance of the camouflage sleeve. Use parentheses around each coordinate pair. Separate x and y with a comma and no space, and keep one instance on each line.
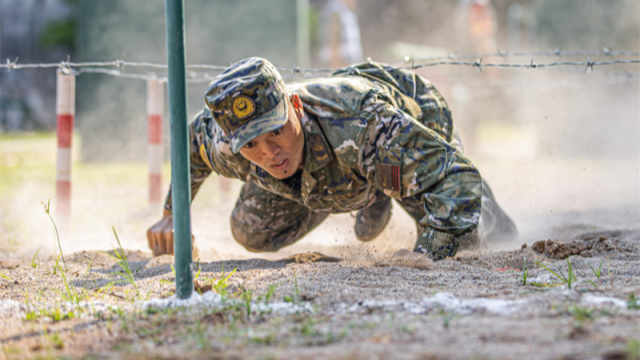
(210,151)
(403,158)
(198,168)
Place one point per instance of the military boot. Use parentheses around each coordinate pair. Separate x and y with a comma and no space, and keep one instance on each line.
(371,221)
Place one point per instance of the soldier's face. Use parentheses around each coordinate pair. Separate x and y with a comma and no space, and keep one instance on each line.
(280,152)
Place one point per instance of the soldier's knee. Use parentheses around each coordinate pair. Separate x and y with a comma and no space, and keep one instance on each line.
(250,239)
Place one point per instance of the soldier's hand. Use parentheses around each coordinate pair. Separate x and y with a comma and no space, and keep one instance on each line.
(439,246)
(160,236)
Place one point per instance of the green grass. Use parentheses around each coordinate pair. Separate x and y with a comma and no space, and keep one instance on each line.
(34,264)
(581,314)
(246,296)
(633,302)
(597,272)
(633,349)
(47,207)
(445,316)
(565,279)
(295,293)
(121,259)
(71,295)
(271,289)
(220,286)
(5,277)
(55,267)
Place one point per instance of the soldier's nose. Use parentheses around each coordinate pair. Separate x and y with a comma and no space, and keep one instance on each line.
(270,151)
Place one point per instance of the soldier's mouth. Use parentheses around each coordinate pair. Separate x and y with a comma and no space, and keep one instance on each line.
(281,165)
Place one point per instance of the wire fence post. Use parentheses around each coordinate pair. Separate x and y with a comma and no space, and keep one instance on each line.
(180,176)
(155,151)
(65,113)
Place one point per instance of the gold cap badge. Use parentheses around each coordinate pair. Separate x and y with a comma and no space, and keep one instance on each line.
(243,107)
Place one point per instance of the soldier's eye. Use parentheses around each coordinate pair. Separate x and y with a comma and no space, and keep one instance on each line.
(276,132)
(250,144)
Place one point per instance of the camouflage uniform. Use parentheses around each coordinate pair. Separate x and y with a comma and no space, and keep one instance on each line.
(371,132)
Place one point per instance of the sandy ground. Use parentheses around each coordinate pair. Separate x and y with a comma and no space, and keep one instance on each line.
(368,305)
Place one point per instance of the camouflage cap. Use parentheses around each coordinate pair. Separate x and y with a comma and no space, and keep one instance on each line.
(246,100)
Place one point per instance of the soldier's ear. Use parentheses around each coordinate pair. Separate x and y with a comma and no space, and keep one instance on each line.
(297,105)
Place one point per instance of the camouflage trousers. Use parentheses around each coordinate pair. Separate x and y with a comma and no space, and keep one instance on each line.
(265,222)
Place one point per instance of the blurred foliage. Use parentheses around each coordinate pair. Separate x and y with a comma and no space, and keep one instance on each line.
(589,24)
(59,33)
(314,31)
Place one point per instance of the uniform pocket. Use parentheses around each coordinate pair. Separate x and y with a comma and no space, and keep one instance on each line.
(389,171)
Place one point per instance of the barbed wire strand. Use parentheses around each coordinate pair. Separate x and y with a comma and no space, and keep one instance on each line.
(450,56)
(99,67)
(505,54)
(204,78)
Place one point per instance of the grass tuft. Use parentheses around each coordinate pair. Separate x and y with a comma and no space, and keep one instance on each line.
(121,259)
(221,285)
(5,277)
(47,207)
(34,264)
(633,302)
(72,295)
(565,279)
(295,294)
(246,296)
(55,267)
(597,272)
(446,316)
(581,314)
(271,289)
(633,350)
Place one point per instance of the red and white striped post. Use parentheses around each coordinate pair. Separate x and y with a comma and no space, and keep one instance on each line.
(65,111)
(155,116)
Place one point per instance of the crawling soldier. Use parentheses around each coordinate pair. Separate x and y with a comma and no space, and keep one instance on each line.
(349,142)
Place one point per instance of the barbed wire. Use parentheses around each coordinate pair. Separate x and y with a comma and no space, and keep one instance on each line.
(505,54)
(120,65)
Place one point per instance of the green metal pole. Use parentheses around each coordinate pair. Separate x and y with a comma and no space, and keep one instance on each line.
(180,176)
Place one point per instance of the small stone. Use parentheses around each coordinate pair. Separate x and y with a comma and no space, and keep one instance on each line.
(524,246)
(602,238)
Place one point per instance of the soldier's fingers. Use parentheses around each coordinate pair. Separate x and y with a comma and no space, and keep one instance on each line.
(154,241)
(158,248)
(170,245)
(162,242)
(149,241)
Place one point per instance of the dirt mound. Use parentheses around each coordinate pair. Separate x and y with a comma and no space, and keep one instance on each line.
(587,246)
